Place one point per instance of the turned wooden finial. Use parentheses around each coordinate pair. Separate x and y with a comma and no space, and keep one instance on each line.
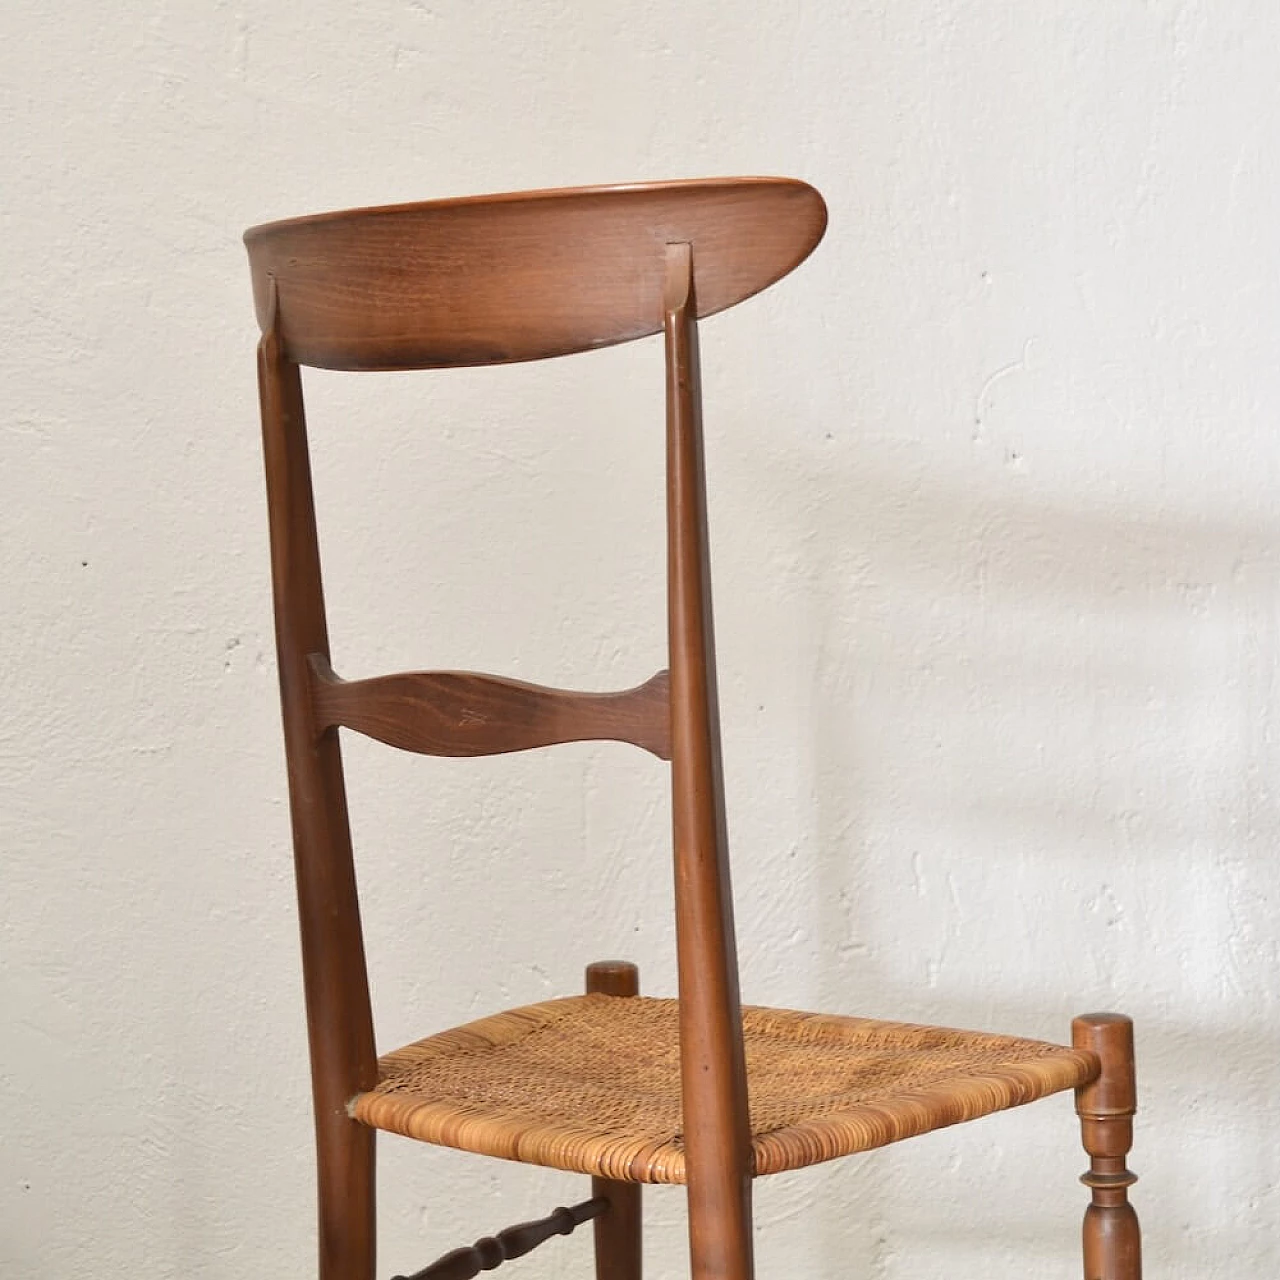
(613,978)
(1112,1242)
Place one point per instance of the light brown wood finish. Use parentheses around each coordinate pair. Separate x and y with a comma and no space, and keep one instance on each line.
(1106,1106)
(520,277)
(460,713)
(461,282)
(618,1244)
(712,1064)
(339,1022)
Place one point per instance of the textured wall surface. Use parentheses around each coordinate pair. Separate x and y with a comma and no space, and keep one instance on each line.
(994,480)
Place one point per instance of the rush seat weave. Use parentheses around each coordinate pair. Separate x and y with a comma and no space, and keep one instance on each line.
(591,1084)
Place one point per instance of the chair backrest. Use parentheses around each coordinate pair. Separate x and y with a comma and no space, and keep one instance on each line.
(488,281)
(494,279)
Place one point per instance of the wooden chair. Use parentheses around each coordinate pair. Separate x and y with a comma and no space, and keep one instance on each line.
(696,1091)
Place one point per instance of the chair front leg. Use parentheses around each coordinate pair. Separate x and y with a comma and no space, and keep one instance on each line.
(1112,1240)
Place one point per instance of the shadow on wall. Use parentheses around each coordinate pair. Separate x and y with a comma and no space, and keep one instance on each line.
(1040,742)
(1067,665)
(1077,678)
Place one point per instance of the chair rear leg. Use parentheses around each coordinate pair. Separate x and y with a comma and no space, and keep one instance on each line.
(1112,1241)
(617,1230)
(348,1235)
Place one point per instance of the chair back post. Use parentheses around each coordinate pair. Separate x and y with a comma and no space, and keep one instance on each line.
(712,1064)
(339,1020)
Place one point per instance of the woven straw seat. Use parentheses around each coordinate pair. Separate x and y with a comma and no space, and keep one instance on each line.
(591,1085)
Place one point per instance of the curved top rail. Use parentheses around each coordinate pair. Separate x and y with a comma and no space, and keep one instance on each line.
(496,279)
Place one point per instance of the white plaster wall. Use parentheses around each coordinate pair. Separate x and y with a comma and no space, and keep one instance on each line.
(993,486)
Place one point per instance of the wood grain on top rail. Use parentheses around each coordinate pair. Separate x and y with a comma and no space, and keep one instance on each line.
(491,279)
